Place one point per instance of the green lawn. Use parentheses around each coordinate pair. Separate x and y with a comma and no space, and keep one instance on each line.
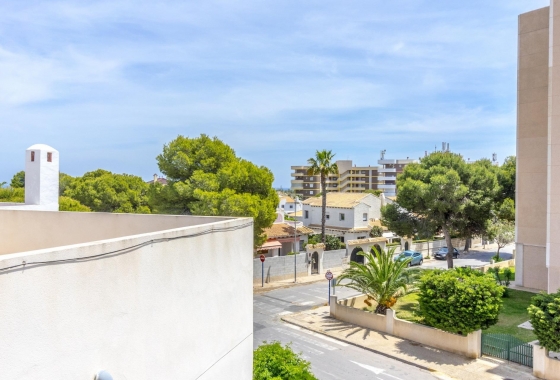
(514,312)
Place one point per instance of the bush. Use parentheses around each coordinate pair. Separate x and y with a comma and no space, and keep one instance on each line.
(331,242)
(460,300)
(376,231)
(544,313)
(274,362)
(497,258)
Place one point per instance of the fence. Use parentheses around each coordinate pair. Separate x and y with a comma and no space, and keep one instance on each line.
(428,248)
(507,347)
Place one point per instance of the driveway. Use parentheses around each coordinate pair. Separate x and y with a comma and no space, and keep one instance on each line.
(475,258)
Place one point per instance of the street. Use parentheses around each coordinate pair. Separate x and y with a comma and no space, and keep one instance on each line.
(330,358)
(473,259)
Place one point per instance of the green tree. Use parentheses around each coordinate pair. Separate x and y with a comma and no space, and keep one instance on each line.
(18,180)
(502,232)
(448,194)
(376,231)
(322,164)
(544,313)
(69,204)
(506,179)
(103,191)
(272,361)
(205,177)
(64,182)
(459,301)
(10,194)
(377,193)
(381,278)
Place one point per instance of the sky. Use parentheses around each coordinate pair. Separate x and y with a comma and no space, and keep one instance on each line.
(108,83)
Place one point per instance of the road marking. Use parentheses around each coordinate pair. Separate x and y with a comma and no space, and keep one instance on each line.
(306,339)
(317,335)
(377,371)
(306,303)
(394,377)
(286,312)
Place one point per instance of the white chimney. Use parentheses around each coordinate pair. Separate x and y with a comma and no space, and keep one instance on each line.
(42,176)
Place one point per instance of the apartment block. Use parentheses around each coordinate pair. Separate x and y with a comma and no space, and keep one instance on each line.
(351,178)
(538,150)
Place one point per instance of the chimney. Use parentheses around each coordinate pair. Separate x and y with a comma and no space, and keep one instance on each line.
(155,178)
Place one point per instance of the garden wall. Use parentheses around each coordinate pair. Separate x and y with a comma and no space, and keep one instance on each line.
(501,264)
(545,367)
(347,310)
(428,248)
(282,267)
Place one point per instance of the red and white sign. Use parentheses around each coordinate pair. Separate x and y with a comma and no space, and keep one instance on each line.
(262,258)
(329,276)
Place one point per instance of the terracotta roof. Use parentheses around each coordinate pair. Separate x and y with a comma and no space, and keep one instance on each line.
(377,223)
(271,244)
(291,213)
(163,181)
(341,200)
(281,230)
(287,198)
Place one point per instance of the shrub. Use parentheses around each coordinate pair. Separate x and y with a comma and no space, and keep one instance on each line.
(331,242)
(497,258)
(274,362)
(376,231)
(544,313)
(460,300)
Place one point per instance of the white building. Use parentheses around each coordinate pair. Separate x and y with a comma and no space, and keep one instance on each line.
(289,205)
(349,216)
(139,296)
(41,180)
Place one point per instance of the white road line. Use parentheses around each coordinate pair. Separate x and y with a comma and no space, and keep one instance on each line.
(306,339)
(394,377)
(286,312)
(377,371)
(321,336)
(306,303)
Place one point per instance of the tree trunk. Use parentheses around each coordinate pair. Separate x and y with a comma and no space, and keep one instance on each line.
(381,309)
(324,207)
(449,247)
(467,244)
(498,253)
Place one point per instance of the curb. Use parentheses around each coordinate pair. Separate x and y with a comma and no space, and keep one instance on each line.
(258,289)
(434,372)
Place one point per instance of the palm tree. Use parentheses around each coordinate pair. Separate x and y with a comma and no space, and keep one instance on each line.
(381,278)
(322,164)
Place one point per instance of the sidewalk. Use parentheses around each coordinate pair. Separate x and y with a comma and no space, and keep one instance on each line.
(442,364)
(257,288)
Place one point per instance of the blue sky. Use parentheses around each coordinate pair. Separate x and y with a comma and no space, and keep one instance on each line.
(108,83)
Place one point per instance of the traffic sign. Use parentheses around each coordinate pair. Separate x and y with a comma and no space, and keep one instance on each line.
(329,275)
(262,258)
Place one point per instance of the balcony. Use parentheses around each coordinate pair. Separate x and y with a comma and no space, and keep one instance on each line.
(388,187)
(387,170)
(384,178)
(386,162)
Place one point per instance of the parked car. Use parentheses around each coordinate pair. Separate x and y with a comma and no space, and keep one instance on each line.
(415,257)
(442,253)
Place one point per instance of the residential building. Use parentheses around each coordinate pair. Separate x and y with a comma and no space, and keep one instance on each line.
(281,239)
(137,296)
(538,150)
(289,205)
(349,216)
(350,178)
(158,179)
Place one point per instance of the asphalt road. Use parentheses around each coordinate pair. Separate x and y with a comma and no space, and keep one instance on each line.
(330,358)
(474,259)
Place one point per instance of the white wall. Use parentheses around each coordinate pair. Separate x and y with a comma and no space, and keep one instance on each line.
(180,309)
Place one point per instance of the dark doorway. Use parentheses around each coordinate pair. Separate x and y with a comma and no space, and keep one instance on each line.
(406,246)
(355,257)
(315,263)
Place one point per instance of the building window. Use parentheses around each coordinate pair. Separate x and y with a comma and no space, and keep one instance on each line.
(327,216)
(291,206)
(341,216)
(361,237)
(32,156)
(49,157)
(306,214)
(364,217)
(311,192)
(282,206)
